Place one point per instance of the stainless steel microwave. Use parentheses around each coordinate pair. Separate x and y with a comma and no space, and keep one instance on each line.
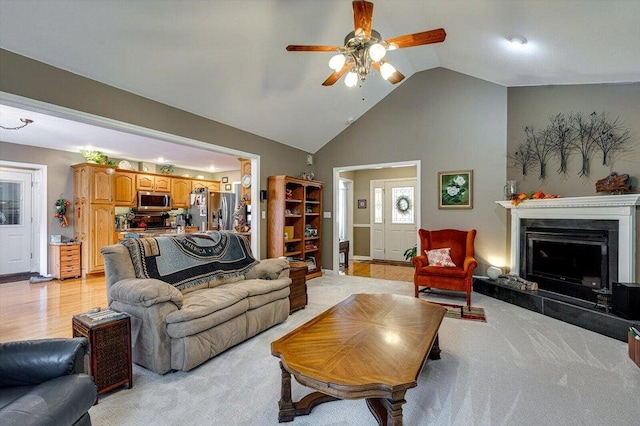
(154,201)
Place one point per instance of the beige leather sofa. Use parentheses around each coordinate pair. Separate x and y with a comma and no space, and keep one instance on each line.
(179,330)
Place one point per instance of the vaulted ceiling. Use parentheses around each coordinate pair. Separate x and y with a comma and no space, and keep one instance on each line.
(226,59)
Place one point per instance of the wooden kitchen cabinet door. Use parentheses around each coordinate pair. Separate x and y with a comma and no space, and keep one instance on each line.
(101,185)
(180,193)
(125,189)
(101,230)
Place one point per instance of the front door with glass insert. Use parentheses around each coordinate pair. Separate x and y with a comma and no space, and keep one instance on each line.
(393,221)
(15,222)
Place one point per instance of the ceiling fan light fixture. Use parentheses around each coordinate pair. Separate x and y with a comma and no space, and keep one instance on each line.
(351,80)
(377,52)
(337,62)
(387,70)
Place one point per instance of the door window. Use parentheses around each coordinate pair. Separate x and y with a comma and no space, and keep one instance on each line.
(402,208)
(10,208)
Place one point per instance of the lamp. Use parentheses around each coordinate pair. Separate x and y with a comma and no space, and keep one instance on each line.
(360,53)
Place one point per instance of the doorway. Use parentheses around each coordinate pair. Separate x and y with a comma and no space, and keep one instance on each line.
(22,236)
(361,176)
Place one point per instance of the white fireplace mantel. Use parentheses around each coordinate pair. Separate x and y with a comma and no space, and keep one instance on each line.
(603,207)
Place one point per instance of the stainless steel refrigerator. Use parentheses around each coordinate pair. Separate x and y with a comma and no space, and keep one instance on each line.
(212,210)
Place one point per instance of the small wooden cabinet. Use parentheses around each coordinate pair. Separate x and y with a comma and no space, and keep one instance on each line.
(298,289)
(109,357)
(294,208)
(64,260)
(212,186)
(154,183)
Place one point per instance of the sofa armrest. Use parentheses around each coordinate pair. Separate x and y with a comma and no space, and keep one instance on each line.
(269,269)
(32,362)
(145,292)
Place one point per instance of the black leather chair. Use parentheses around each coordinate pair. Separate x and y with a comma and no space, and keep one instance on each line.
(42,383)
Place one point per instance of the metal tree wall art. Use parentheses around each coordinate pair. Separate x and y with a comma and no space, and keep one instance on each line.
(584,138)
(612,138)
(523,157)
(566,135)
(561,133)
(541,146)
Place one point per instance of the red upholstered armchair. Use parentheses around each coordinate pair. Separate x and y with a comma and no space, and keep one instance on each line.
(458,278)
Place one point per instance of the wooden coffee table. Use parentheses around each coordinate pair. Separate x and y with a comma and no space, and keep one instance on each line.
(370,346)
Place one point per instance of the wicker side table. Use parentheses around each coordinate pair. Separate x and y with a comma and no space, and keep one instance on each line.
(109,357)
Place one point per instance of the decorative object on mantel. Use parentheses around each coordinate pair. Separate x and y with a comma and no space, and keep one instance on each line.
(61,211)
(536,195)
(92,156)
(614,184)
(167,169)
(573,133)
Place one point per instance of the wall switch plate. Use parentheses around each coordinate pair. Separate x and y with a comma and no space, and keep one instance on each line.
(327,215)
(264,214)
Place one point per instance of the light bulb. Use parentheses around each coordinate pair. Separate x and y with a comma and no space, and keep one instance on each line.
(377,52)
(337,62)
(351,79)
(387,70)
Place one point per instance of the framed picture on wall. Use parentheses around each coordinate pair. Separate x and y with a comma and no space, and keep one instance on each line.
(225,179)
(455,189)
(227,187)
(362,204)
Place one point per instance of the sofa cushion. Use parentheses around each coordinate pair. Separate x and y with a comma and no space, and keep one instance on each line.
(268,269)
(60,401)
(261,292)
(204,309)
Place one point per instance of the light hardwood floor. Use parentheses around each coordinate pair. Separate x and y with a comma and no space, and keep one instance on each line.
(37,311)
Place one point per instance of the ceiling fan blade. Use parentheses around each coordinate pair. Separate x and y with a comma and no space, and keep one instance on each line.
(299,48)
(396,77)
(362,16)
(335,76)
(418,39)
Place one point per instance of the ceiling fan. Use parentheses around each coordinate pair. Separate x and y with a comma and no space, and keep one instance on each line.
(364,48)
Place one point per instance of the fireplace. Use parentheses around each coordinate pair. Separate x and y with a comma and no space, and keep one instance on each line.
(571,257)
(613,215)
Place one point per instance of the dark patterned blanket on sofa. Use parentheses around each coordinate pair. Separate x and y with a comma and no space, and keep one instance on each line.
(189,259)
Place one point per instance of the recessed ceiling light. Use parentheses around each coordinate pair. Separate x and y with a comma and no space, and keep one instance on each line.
(160,160)
(517,40)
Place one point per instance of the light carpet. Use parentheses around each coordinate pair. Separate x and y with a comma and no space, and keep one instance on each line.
(520,368)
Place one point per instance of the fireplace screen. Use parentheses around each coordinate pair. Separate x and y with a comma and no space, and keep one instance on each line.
(571,263)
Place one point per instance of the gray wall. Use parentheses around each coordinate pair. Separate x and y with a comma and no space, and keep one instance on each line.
(35,80)
(532,106)
(449,121)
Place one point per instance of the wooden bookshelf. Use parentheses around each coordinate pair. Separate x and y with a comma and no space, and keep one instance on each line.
(295,204)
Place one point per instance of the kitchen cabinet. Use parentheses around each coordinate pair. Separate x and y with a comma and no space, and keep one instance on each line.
(294,208)
(180,193)
(124,194)
(211,185)
(93,213)
(153,183)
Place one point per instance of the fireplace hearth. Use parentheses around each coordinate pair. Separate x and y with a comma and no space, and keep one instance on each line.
(574,248)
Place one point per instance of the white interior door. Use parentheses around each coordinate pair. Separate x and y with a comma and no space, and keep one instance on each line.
(393,221)
(16,241)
